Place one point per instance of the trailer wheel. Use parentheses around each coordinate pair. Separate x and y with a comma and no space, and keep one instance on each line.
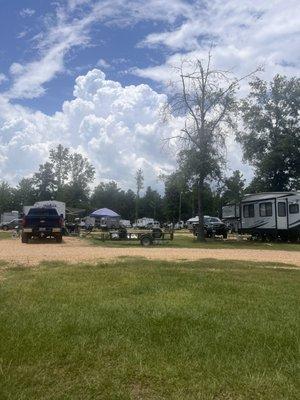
(146,241)
(25,238)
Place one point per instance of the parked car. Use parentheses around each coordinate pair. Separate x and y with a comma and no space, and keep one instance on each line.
(179,225)
(42,222)
(212,226)
(11,224)
(153,225)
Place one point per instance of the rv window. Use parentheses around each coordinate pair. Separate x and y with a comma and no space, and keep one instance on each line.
(294,208)
(248,210)
(281,209)
(265,209)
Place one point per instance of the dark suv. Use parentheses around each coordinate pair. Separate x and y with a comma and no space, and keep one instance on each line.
(212,226)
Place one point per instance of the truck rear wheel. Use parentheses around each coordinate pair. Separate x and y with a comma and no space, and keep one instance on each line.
(25,238)
(58,238)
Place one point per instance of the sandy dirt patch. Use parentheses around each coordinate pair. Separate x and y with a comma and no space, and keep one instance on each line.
(75,250)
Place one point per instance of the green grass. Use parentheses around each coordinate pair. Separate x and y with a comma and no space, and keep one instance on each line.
(187,240)
(5,235)
(149,330)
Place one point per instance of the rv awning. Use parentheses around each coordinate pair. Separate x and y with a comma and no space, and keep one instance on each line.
(104,212)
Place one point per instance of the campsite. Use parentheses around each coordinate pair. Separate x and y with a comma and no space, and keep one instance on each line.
(149,200)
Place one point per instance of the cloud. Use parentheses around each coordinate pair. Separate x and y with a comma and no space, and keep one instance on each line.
(27,12)
(118,128)
(103,64)
(3,78)
(245,34)
(70,27)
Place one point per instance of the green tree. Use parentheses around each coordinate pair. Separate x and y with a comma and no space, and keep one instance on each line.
(60,160)
(6,197)
(25,193)
(178,197)
(81,175)
(107,195)
(207,101)
(82,171)
(44,181)
(271,135)
(111,196)
(234,188)
(151,204)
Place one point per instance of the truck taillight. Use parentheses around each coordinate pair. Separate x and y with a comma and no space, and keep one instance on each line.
(61,222)
(23,222)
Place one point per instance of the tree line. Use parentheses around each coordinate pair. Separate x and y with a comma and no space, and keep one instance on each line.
(67,176)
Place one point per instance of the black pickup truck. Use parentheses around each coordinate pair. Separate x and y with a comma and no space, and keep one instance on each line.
(42,222)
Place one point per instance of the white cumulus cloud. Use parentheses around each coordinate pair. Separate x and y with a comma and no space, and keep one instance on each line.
(118,128)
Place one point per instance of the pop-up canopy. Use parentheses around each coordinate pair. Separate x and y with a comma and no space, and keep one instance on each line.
(104,212)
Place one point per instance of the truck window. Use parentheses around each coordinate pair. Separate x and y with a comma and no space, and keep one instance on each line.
(43,212)
(248,210)
(281,209)
(265,209)
(294,208)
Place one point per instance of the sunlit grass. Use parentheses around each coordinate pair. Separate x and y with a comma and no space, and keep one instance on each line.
(149,330)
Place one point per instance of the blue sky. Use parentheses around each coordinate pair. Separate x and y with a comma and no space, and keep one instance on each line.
(93,74)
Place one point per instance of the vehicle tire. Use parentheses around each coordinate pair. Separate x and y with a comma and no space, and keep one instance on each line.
(5,227)
(225,235)
(25,238)
(293,237)
(58,238)
(146,241)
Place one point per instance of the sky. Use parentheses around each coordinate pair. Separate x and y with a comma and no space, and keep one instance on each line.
(94,75)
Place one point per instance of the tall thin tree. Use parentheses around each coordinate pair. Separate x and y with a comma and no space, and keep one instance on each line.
(205,98)
(139,179)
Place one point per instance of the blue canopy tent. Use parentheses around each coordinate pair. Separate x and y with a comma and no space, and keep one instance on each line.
(104,212)
(106,218)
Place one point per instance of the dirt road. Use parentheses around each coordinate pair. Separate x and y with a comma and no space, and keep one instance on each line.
(75,250)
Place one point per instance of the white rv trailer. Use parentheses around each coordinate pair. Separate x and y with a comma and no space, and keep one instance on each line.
(271,215)
(59,205)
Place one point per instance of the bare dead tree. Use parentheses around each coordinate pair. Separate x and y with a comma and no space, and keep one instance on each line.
(206,99)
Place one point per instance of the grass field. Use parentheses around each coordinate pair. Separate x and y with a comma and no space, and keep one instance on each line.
(149,330)
(5,234)
(187,240)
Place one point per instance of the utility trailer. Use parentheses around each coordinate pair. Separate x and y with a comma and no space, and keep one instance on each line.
(146,238)
(270,215)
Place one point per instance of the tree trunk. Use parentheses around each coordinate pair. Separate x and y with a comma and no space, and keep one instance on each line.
(137,207)
(200,233)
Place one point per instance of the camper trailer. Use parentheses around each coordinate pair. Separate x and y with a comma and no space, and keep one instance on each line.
(270,215)
(59,205)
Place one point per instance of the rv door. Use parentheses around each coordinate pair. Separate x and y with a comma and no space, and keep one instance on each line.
(282,214)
